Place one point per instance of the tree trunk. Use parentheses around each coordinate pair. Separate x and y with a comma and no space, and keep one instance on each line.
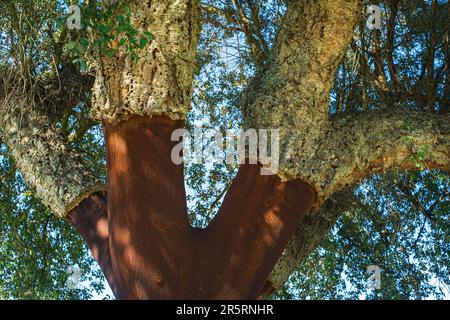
(90,218)
(156,254)
(140,234)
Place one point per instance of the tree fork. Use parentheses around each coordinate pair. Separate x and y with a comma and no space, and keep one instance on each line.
(156,254)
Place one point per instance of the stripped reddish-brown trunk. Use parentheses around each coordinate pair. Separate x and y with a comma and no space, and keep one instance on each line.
(153,251)
(90,218)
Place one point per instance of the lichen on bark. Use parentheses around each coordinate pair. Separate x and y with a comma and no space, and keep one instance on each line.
(294,89)
(292,93)
(48,165)
(160,81)
(353,147)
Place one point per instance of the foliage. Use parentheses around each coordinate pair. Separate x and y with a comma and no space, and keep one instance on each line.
(36,249)
(400,223)
(106,28)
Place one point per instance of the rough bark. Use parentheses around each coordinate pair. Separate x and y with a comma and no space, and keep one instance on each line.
(152,250)
(293,92)
(356,147)
(330,154)
(160,82)
(48,165)
(353,147)
(312,229)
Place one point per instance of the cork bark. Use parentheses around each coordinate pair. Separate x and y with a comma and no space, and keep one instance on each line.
(292,93)
(55,171)
(330,154)
(160,82)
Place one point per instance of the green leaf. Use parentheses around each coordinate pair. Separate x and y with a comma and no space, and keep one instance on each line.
(71,45)
(103,28)
(149,35)
(122,42)
(143,42)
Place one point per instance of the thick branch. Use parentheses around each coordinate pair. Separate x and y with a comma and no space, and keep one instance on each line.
(49,166)
(160,82)
(355,146)
(65,91)
(293,93)
(313,228)
(294,89)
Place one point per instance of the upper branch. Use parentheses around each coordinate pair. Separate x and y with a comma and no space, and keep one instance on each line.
(294,89)
(160,81)
(47,163)
(355,146)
